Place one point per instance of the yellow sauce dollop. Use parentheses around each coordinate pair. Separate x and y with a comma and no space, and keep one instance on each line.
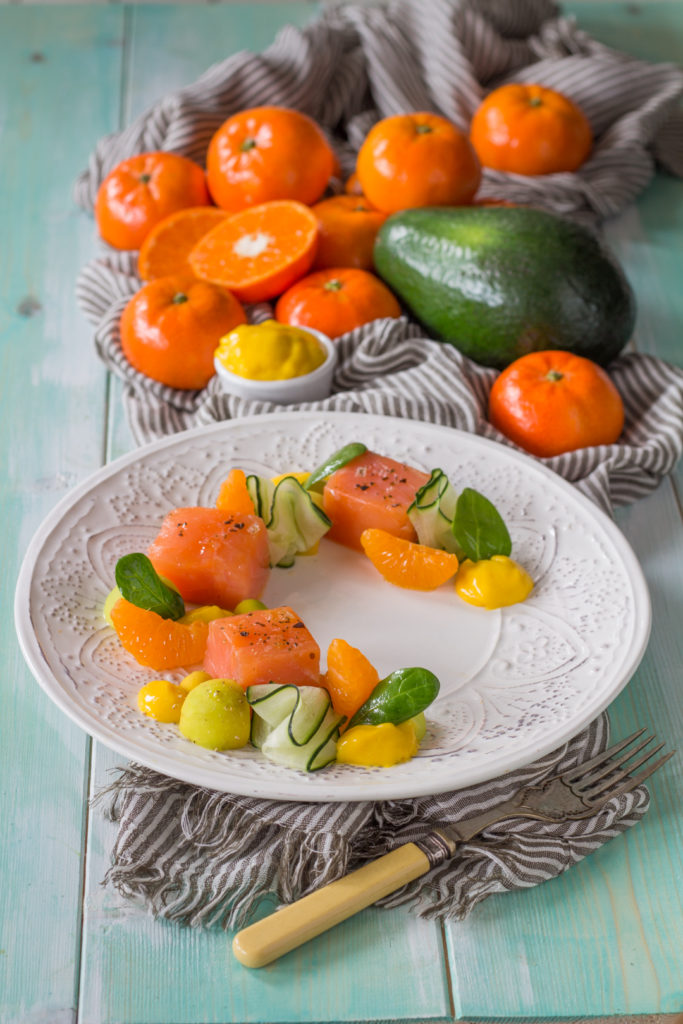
(378,746)
(493,582)
(161,700)
(270,351)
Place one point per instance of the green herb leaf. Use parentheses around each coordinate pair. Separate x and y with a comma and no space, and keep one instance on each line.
(336,461)
(398,697)
(479,528)
(140,583)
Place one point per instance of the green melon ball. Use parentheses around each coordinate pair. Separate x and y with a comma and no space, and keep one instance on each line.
(216,715)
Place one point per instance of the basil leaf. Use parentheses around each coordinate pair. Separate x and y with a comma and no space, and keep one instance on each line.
(398,697)
(336,461)
(140,583)
(479,528)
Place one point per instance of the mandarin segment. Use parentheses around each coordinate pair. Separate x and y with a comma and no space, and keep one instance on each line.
(158,643)
(350,677)
(406,564)
(233,495)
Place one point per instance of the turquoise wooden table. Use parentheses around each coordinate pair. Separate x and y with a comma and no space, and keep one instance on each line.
(603,939)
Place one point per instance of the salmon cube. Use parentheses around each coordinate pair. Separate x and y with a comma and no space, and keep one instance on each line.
(270,646)
(213,557)
(371,491)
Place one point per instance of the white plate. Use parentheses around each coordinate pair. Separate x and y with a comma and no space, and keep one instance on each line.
(515,683)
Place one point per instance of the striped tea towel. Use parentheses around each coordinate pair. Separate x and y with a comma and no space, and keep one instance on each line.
(389,367)
(355,65)
(204,858)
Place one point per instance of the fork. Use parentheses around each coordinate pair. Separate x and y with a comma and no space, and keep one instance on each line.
(575,793)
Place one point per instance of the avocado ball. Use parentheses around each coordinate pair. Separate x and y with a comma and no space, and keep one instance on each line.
(216,715)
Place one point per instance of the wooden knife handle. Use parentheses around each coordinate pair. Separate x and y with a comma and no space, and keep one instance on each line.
(291,926)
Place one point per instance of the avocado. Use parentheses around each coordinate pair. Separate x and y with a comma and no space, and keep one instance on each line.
(499,282)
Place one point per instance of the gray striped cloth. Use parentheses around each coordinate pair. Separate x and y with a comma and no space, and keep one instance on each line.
(201,857)
(204,858)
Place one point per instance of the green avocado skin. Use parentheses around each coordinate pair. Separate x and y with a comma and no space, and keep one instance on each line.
(499,282)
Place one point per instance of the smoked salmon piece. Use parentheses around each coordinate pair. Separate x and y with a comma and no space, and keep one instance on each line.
(269,646)
(212,556)
(371,492)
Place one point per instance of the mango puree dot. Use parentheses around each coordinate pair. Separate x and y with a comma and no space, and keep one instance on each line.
(493,582)
(161,700)
(378,746)
(205,613)
(194,679)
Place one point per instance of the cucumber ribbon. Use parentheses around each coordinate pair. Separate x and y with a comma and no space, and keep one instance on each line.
(467,525)
(295,726)
(294,523)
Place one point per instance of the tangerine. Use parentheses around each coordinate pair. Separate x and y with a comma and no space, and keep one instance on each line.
(172,325)
(336,300)
(267,153)
(407,564)
(419,159)
(528,129)
(347,227)
(553,402)
(141,191)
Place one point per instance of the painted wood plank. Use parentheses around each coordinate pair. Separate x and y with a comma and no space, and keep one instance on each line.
(59,74)
(382,965)
(376,966)
(605,938)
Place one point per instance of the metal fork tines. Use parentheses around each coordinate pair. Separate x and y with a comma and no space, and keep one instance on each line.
(596,779)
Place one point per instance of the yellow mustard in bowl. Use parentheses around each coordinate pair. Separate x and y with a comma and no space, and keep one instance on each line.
(270,351)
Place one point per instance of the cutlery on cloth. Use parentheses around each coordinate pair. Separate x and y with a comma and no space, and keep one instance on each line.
(575,793)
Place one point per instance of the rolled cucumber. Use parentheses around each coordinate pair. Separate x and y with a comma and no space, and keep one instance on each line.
(302,708)
(432,511)
(296,523)
(295,726)
(319,751)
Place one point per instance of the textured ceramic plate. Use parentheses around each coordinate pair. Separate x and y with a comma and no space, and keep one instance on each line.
(515,683)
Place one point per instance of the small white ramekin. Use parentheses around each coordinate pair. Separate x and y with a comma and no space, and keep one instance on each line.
(309,387)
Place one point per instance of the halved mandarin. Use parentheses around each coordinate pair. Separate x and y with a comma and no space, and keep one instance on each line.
(166,248)
(258,252)
(406,564)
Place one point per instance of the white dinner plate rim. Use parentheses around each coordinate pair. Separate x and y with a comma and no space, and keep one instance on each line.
(386,790)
